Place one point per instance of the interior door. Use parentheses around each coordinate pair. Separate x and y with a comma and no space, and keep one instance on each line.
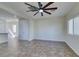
(23,29)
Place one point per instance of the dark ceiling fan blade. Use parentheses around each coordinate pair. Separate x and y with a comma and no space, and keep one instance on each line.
(31,10)
(31,6)
(46,12)
(41,13)
(48,4)
(36,13)
(51,8)
(39,4)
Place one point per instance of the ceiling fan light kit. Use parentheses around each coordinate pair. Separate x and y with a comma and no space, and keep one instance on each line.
(41,8)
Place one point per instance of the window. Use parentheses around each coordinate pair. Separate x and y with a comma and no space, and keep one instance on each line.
(76,26)
(73,26)
(70,26)
(14,28)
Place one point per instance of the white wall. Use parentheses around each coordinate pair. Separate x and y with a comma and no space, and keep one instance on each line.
(44,29)
(49,29)
(73,41)
(31,29)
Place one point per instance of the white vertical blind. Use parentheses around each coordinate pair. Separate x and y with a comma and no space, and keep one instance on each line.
(70,26)
(76,26)
(73,26)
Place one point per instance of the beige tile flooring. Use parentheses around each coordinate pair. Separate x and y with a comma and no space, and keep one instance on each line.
(37,48)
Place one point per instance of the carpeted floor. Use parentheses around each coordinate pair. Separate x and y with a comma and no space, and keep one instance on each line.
(37,48)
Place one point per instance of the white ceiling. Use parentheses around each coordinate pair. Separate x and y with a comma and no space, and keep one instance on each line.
(21,8)
(5,15)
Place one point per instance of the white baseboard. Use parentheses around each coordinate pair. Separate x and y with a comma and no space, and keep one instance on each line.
(60,40)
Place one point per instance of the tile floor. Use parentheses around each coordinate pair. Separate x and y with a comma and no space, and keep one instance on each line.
(36,48)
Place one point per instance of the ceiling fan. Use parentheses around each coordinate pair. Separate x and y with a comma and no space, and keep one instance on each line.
(41,8)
